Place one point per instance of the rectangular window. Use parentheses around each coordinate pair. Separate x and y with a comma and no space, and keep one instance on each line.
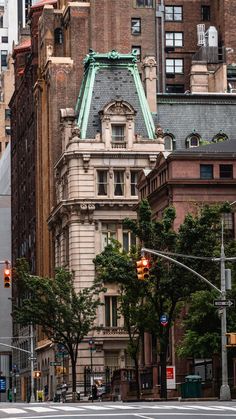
(133,183)
(144,3)
(8,130)
(108,233)
(174,39)
(206,171)
(3,59)
(174,66)
(175,88)
(173,13)
(205,13)
(102,182)
(226,171)
(137,48)
(7,113)
(129,239)
(4,39)
(118,183)
(110,311)
(135,26)
(66,246)
(118,133)
(228,219)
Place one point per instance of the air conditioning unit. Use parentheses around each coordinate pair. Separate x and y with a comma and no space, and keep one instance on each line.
(208,38)
(201,35)
(211,37)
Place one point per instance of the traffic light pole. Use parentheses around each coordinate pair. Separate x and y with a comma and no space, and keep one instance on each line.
(225,389)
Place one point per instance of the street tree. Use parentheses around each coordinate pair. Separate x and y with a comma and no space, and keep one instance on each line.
(65,315)
(170,285)
(115,265)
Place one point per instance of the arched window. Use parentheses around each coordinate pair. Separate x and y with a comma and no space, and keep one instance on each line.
(58,36)
(169,142)
(218,138)
(193,140)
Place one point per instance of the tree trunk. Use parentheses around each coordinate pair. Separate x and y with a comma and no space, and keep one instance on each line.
(137,378)
(73,371)
(163,373)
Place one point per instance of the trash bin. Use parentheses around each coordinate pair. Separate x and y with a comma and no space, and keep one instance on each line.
(192,388)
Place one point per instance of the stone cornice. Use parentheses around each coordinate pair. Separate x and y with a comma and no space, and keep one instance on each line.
(111,154)
(84,210)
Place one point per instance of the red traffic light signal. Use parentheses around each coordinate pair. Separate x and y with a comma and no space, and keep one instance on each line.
(142,267)
(7,278)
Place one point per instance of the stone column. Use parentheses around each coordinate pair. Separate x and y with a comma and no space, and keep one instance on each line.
(150,80)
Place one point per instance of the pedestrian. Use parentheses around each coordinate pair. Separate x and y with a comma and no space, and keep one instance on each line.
(64,389)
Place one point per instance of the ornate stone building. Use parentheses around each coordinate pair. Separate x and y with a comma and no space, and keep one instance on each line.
(105,142)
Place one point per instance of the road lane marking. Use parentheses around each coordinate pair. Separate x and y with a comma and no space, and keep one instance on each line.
(138,415)
(41,409)
(68,408)
(96,407)
(12,410)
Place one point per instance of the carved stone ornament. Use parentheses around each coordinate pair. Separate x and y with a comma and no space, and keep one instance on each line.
(149,62)
(118,107)
(49,51)
(159,134)
(75,133)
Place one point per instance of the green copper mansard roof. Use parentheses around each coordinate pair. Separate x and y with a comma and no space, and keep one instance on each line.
(109,77)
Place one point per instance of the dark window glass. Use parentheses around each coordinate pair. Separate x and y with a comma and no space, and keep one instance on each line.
(102,182)
(114,311)
(3,59)
(7,113)
(107,312)
(135,26)
(173,13)
(133,183)
(118,132)
(226,171)
(205,13)
(138,51)
(110,311)
(144,3)
(4,39)
(175,88)
(8,130)
(58,36)
(206,171)
(118,183)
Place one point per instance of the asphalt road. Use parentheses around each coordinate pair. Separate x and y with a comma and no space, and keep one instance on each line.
(119,410)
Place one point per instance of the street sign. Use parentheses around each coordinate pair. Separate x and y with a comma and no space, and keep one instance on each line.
(55,364)
(62,354)
(164,320)
(224,303)
(2,384)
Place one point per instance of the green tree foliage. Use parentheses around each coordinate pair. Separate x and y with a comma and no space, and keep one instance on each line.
(169,285)
(66,316)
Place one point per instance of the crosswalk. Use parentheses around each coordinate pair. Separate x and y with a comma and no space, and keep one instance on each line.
(85,408)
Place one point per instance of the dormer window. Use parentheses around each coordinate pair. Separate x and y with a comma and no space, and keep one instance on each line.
(193,140)
(117,120)
(168,142)
(118,133)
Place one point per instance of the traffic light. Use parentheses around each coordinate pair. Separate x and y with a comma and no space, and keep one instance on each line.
(7,278)
(231,339)
(142,267)
(37,374)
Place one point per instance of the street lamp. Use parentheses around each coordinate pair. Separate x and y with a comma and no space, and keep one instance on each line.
(225,389)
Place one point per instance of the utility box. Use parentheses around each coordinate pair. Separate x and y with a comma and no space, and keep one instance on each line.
(192,388)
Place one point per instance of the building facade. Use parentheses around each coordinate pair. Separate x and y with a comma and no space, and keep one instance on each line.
(47,228)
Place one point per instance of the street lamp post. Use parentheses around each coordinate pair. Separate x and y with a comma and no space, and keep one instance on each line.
(225,394)
(224,389)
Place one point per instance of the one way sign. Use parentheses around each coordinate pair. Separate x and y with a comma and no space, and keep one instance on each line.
(224,303)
